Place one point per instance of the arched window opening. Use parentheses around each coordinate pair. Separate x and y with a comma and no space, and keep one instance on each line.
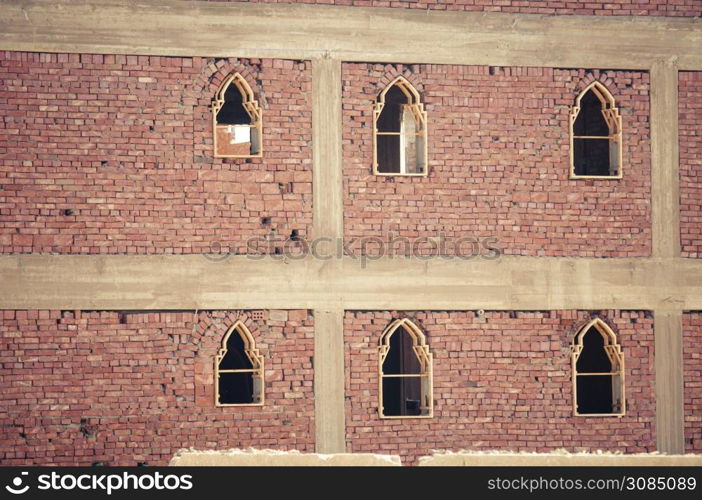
(405,367)
(598,372)
(399,131)
(238,369)
(236,120)
(595,134)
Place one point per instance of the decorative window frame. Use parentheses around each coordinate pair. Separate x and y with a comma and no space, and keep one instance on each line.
(420,117)
(250,105)
(610,112)
(257,363)
(618,373)
(421,350)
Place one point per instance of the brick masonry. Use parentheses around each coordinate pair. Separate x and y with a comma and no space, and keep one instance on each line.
(678,8)
(113,154)
(690,111)
(499,384)
(498,147)
(79,388)
(692,376)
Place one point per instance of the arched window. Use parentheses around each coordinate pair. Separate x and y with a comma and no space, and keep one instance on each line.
(236,120)
(595,134)
(399,131)
(405,388)
(238,369)
(598,372)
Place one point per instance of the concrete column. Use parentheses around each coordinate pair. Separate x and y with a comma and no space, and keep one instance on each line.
(670,422)
(327,223)
(665,181)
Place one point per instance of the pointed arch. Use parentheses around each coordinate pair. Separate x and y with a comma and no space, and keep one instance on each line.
(239,369)
(237,120)
(595,134)
(405,382)
(598,374)
(399,131)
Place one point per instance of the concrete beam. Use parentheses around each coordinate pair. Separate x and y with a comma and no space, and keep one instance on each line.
(217,29)
(670,421)
(193,281)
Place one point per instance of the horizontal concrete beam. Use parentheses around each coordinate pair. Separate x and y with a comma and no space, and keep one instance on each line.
(189,282)
(216,29)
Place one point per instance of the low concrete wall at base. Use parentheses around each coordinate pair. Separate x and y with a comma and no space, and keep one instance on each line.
(558,460)
(252,457)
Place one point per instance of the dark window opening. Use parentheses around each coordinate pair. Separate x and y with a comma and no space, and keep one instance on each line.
(233,112)
(401,394)
(594,391)
(590,120)
(236,387)
(596,135)
(400,131)
(237,120)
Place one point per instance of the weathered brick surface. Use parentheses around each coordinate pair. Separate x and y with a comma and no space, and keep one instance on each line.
(83,387)
(113,154)
(678,8)
(499,163)
(504,384)
(692,376)
(690,106)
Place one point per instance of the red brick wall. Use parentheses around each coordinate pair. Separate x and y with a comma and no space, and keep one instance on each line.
(681,8)
(692,376)
(112,154)
(83,387)
(690,108)
(499,162)
(500,385)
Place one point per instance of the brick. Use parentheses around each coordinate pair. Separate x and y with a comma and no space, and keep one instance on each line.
(678,8)
(497,167)
(146,183)
(127,392)
(500,385)
(692,375)
(690,111)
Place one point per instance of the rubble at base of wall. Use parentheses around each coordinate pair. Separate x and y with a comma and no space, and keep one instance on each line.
(253,457)
(556,458)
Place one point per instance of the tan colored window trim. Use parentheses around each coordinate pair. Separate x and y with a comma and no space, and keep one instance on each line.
(610,112)
(421,350)
(416,107)
(250,106)
(618,373)
(257,362)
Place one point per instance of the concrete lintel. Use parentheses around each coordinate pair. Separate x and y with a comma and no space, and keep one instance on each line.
(233,29)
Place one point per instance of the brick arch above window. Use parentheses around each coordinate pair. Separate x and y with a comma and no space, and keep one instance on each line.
(212,77)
